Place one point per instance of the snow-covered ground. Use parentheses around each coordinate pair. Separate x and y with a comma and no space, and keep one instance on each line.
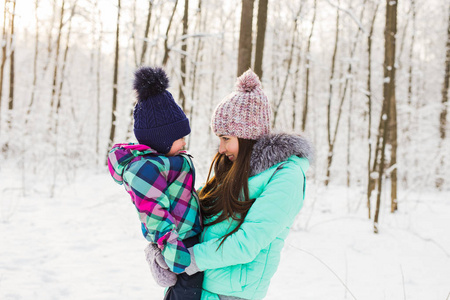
(85,243)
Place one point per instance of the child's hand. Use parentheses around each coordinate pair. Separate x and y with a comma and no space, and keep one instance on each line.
(160,271)
(192,268)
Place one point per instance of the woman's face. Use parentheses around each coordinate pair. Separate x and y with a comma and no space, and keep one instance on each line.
(229,145)
(177,146)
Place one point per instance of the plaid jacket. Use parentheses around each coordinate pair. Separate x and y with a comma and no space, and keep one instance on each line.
(162,190)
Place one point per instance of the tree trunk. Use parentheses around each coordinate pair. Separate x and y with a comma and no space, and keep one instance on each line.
(384,132)
(390,66)
(245,37)
(370,180)
(182,97)
(296,85)
(147,29)
(330,96)
(63,68)
(11,64)
(349,135)
(260,37)
(411,56)
(407,131)
(166,38)
(288,71)
(197,61)
(445,86)
(347,76)
(389,97)
(378,166)
(444,102)
(50,37)
(197,51)
(133,35)
(115,81)
(55,70)
(155,29)
(308,68)
(98,83)
(4,45)
(36,55)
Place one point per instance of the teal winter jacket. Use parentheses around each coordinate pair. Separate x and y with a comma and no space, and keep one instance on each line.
(244,264)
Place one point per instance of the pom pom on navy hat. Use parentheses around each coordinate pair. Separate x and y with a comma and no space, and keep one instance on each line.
(149,82)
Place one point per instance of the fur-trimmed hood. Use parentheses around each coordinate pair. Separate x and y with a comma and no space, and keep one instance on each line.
(274,148)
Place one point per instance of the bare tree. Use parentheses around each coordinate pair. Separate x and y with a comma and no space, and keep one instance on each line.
(388,98)
(155,29)
(411,55)
(115,81)
(308,68)
(198,45)
(198,48)
(444,103)
(349,134)
(36,55)
(391,32)
(348,76)
(182,97)
(166,37)
(55,70)
(50,36)
(289,64)
(97,79)
(383,132)
(445,86)
(407,131)
(4,45)
(330,96)
(245,37)
(11,62)
(147,29)
(296,84)
(64,63)
(133,34)
(260,37)
(370,180)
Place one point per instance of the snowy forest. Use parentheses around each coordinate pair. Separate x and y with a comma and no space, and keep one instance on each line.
(366,81)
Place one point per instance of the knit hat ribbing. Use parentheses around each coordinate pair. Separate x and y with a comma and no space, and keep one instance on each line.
(158,120)
(246,112)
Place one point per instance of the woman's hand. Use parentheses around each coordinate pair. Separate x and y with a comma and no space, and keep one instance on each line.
(160,271)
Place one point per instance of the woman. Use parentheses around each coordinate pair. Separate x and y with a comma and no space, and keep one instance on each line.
(252,199)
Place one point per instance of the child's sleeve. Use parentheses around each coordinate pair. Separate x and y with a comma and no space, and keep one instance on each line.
(148,183)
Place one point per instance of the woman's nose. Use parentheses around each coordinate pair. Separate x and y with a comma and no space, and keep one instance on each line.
(221,148)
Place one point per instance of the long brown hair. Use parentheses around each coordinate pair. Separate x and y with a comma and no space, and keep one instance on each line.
(226,193)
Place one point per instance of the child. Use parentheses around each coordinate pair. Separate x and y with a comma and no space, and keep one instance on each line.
(160,178)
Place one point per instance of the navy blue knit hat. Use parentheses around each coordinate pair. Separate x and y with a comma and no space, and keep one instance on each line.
(158,120)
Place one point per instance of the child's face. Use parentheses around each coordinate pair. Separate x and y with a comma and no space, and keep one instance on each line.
(177,146)
(229,145)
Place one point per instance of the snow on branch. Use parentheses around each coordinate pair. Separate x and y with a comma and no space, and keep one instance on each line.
(350,13)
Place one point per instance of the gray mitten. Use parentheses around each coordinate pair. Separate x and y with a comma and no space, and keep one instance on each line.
(160,271)
(192,268)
